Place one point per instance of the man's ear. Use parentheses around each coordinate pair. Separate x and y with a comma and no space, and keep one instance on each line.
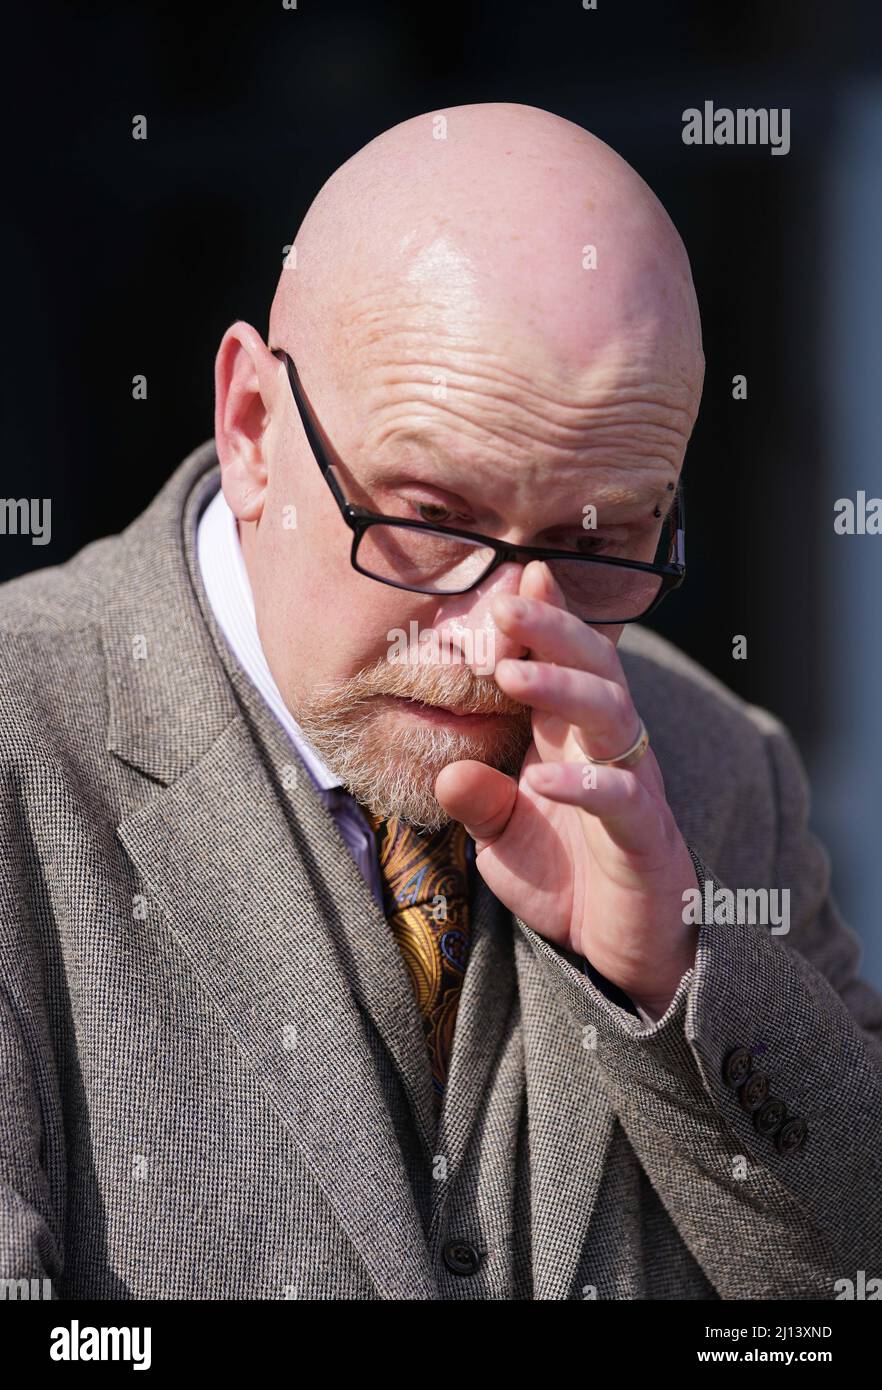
(244,375)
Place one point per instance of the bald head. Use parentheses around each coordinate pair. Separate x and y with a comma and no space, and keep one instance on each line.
(501,228)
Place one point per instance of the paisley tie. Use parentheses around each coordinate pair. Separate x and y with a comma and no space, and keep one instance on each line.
(425,893)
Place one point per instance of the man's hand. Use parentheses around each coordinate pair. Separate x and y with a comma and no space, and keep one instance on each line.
(599,870)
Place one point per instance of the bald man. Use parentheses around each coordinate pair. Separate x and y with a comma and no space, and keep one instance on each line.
(389,914)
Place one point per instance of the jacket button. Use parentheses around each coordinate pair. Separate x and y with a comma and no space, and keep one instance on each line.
(770,1116)
(791,1136)
(460,1257)
(736,1067)
(754,1091)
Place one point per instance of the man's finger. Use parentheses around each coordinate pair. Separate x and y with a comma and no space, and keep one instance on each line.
(551,633)
(600,711)
(537,581)
(481,797)
(615,796)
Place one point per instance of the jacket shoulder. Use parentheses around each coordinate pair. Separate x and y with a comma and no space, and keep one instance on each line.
(677,690)
(60,598)
(81,591)
(53,688)
(715,749)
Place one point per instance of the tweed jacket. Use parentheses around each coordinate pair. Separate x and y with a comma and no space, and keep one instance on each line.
(214,1080)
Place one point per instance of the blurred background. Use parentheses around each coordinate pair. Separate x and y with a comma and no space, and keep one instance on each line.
(127,257)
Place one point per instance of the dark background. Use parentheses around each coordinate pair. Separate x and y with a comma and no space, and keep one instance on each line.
(130,257)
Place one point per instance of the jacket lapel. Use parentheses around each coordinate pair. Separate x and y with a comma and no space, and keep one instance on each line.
(368,953)
(488,993)
(570,1123)
(219,859)
(256,889)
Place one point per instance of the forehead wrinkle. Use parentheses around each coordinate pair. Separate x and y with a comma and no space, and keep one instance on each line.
(522,477)
(632,429)
(540,391)
(384,326)
(377,317)
(528,404)
(388,323)
(402,353)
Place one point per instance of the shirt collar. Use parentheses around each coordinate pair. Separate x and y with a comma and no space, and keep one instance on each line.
(228,589)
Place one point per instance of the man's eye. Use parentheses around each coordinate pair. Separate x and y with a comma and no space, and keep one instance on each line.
(434,512)
(584,545)
(590,545)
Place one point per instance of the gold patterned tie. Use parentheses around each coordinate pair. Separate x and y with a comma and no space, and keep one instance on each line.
(425,894)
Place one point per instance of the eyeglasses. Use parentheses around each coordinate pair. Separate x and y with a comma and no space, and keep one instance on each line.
(434,559)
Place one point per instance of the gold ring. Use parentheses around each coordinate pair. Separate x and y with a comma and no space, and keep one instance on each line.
(631,755)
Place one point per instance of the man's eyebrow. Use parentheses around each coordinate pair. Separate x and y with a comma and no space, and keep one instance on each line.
(652,495)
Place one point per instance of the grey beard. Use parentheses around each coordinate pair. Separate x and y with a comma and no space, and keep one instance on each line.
(396,776)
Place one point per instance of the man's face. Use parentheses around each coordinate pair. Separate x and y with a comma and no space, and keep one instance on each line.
(481,430)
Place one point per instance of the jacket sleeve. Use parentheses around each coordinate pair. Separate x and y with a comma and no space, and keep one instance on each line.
(754,1104)
(29,1248)
(30,1123)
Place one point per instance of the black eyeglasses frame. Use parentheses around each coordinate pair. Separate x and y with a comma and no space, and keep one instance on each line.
(360,519)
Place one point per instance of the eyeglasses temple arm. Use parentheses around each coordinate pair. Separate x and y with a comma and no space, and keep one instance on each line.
(311,429)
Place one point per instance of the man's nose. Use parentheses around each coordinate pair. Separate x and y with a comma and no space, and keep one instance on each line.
(469,619)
